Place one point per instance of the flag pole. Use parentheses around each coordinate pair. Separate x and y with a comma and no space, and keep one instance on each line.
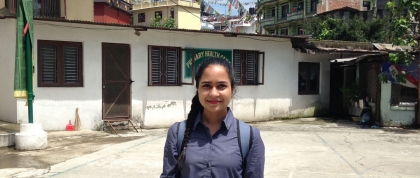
(28,32)
(29,68)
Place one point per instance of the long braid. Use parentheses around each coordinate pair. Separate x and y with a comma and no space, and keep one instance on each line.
(195,109)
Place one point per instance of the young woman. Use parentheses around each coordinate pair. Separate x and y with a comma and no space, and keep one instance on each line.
(210,146)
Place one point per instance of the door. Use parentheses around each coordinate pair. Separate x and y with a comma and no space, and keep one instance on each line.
(116,81)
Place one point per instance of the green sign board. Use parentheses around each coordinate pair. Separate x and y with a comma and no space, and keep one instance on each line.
(199,54)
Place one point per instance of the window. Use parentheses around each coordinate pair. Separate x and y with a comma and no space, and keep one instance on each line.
(172,13)
(401,94)
(164,65)
(313,5)
(308,78)
(46,8)
(300,6)
(284,31)
(60,64)
(141,17)
(248,67)
(158,13)
(11,5)
(366,4)
(300,31)
(284,11)
(273,12)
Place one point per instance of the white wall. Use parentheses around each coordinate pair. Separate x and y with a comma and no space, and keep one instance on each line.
(278,97)
(394,116)
(7,60)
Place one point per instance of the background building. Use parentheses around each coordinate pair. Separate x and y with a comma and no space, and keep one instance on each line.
(286,17)
(187,10)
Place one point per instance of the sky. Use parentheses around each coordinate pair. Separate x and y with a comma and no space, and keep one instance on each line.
(222,8)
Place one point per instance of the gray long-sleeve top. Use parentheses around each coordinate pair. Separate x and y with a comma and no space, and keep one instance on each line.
(217,156)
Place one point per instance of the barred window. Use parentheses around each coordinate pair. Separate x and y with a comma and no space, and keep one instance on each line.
(248,67)
(164,65)
(60,64)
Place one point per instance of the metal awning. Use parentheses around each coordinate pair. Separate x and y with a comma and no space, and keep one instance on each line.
(343,60)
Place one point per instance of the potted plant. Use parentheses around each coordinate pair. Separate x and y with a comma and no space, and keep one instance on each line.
(352,93)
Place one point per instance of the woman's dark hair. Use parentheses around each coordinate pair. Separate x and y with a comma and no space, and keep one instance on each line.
(196,106)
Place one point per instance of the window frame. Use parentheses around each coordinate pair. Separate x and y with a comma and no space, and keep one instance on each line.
(307,65)
(285,13)
(143,19)
(179,70)
(160,14)
(300,31)
(300,6)
(242,80)
(314,4)
(43,9)
(60,63)
(13,6)
(402,94)
(368,5)
(284,30)
(172,13)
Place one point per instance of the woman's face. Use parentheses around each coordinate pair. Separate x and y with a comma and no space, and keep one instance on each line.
(215,89)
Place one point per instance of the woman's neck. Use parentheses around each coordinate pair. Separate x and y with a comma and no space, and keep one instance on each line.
(214,118)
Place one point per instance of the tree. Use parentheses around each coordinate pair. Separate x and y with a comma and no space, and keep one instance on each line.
(356,29)
(167,22)
(402,15)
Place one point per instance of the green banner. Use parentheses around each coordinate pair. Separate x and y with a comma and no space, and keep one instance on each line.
(20,89)
(199,54)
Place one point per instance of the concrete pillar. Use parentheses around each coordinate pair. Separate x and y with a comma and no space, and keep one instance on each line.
(31,137)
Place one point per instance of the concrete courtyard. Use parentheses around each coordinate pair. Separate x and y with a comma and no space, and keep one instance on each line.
(306,147)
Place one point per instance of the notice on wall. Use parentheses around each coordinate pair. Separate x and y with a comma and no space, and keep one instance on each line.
(197,55)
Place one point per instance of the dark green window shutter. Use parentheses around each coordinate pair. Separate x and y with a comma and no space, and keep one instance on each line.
(49,64)
(71,64)
(251,68)
(156,66)
(237,66)
(171,72)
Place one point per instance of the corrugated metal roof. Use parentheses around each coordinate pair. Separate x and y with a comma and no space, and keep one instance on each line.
(158,28)
(390,47)
(343,60)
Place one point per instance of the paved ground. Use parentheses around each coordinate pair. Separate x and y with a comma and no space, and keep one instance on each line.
(294,148)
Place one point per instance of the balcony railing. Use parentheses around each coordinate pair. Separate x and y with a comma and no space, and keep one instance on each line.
(262,2)
(267,21)
(143,4)
(295,15)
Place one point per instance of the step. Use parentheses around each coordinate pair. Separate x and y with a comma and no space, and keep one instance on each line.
(7,133)
(7,139)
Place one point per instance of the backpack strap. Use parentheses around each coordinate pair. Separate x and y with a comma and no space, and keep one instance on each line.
(181,130)
(244,139)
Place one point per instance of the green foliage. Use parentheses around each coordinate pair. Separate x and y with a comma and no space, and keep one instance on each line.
(166,23)
(357,29)
(402,13)
(248,17)
(353,92)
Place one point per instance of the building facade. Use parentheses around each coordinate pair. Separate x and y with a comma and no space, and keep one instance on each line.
(120,75)
(286,17)
(186,13)
(117,11)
